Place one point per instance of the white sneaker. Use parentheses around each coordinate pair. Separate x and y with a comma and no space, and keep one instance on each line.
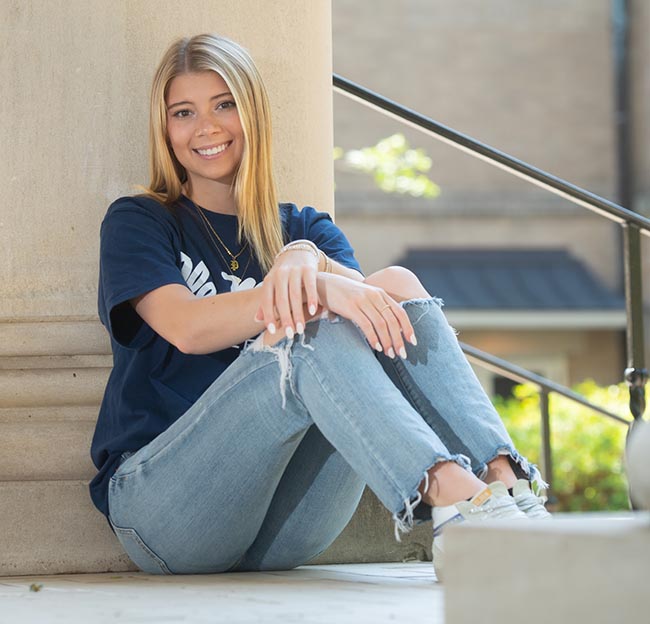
(493,502)
(529,502)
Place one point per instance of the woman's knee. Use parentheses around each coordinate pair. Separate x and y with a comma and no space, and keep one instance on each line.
(399,282)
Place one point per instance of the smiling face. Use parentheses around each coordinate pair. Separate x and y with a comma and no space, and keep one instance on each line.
(204,131)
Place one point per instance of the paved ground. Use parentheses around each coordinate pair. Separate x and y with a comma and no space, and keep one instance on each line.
(340,594)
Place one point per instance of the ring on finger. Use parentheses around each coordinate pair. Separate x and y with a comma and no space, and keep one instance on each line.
(382,309)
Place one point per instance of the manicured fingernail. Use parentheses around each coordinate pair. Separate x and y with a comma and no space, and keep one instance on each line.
(300,328)
(390,353)
(414,340)
(312,309)
(271,328)
(402,353)
(378,348)
(289,333)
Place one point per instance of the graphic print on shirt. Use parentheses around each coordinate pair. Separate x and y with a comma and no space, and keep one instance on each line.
(197,276)
(237,284)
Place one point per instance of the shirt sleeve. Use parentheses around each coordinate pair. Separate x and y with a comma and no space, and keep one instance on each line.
(319,228)
(138,253)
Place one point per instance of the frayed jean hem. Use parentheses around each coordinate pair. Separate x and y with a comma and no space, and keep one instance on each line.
(404,520)
(522,467)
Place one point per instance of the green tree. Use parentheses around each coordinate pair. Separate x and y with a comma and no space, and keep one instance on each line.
(394,166)
(588,469)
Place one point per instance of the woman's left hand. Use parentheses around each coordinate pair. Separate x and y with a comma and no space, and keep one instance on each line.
(289,284)
(382,320)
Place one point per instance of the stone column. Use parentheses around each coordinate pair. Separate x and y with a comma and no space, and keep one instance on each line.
(75,79)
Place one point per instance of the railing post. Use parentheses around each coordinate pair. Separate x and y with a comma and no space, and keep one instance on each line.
(546,456)
(636,375)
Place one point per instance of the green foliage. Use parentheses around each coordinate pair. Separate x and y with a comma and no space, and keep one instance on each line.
(394,166)
(588,471)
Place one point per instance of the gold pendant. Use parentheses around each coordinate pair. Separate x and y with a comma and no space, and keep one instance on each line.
(234,265)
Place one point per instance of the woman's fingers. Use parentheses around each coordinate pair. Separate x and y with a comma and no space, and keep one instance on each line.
(390,325)
(266,312)
(396,327)
(287,290)
(289,284)
(295,301)
(311,291)
(282,303)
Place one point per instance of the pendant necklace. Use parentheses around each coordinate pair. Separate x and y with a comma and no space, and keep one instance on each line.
(212,234)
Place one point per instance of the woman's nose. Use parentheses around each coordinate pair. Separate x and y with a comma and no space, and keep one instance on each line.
(206,125)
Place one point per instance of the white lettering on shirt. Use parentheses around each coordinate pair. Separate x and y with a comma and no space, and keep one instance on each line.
(197,277)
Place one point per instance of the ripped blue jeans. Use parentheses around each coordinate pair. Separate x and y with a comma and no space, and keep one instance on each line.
(268,466)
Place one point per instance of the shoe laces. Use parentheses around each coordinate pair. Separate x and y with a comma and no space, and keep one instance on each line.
(530,503)
(496,507)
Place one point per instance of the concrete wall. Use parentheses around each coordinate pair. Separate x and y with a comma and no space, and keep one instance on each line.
(531,78)
(76,77)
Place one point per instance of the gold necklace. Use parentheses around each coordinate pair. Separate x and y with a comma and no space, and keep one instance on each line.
(248,262)
(234,264)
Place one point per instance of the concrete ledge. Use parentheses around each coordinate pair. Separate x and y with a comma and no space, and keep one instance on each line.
(52,387)
(55,336)
(581,568)
(34,451)
(345,594)
(53,528)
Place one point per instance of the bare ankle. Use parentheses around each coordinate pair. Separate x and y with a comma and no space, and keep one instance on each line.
(449,483)
(499,469)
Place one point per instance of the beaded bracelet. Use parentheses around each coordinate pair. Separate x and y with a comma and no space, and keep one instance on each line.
(307,245)
(299,245)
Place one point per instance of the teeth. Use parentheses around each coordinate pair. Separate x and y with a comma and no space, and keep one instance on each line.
(213,150)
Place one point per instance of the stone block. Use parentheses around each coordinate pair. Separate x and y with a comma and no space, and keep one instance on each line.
(369,538)
(37,450)
(51,527)
(575,568)
(52,386)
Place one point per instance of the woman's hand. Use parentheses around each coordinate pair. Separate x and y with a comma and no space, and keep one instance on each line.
(383,321)
(289,284)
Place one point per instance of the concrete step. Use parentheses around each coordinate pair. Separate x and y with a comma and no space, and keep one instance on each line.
(575,568)
(346,594)
(36,445)
(51,527)
(52,386)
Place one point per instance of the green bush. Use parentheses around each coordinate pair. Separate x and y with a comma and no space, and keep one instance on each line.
(587,448)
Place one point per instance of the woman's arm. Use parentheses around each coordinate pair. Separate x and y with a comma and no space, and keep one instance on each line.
(196,325)
(204,325)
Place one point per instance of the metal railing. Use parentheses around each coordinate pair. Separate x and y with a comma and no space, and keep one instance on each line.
(633,224)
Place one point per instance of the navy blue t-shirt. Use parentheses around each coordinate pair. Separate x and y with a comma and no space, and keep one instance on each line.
(144,246)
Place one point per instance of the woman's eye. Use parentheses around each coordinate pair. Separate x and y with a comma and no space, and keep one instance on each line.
(226,105)
(181,114)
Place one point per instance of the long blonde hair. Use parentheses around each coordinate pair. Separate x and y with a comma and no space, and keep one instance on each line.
(254,187)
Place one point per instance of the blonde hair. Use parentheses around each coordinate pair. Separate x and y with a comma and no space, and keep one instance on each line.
(254,188)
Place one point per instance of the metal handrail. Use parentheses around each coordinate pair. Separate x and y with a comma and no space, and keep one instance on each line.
(633,224)
(546,386)
(493,156)
(517,373)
